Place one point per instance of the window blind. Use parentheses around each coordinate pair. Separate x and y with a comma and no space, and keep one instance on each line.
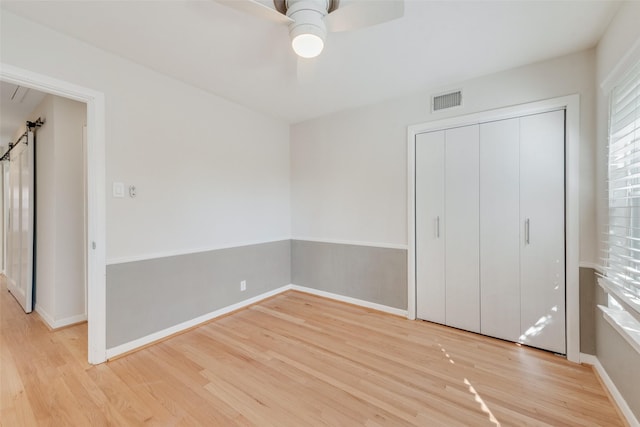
(622,260)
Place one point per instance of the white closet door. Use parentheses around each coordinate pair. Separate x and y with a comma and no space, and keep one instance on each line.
(20,273)
(542,223)
(500,229)
(430,280)
(13,233)
(462,228)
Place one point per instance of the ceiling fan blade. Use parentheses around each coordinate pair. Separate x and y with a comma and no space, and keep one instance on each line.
(257,9)
(360,14)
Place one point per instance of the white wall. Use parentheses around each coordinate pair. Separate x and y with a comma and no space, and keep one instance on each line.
(209,172)
(349,172)
(69,120)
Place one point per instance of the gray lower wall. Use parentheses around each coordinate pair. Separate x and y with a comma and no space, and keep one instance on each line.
(598,337)
(587,311)
(144,297)
(372,274)
(617,357)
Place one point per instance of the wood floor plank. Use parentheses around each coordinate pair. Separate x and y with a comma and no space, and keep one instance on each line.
(14,403)
(293,360)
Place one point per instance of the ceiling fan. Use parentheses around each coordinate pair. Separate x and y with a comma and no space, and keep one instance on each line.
(309,20)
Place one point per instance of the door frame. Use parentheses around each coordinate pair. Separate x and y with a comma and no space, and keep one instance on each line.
(95,245)
(571,104)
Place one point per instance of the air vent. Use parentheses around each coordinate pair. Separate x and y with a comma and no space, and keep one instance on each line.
(18,94)
(446,100)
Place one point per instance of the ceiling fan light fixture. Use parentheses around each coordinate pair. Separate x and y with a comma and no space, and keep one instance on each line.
(307,44)
(307,31)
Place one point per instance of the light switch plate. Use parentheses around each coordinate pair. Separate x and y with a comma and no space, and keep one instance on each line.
(118,189)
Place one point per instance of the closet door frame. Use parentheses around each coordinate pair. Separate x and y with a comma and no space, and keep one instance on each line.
(571,104)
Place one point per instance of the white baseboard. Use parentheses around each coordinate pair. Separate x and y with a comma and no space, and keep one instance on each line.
(156,336)
(355,301)
(70,321)
(622,404)
(55,324)
(48,319)
(588,359)
(354,243)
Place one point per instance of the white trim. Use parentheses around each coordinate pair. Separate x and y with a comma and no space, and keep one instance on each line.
(350,300)
(96,194)
(46,317)
(571,104)
(166,254)
(156,255)
(509,112)
(354,242)
(613,390)
(72,320)
(411,223)
(55,324)
(572,221)
(591,265)
(588,359)
(151,338)
(621,297)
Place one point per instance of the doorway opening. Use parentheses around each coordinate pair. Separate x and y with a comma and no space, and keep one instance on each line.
(45,199)
(94,207)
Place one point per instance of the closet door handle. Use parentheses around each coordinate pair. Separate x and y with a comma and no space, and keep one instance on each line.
(527,230)
(437,227)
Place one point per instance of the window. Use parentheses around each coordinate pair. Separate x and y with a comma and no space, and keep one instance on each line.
(622,266)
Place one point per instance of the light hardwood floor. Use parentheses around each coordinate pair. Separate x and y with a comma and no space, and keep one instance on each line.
(293,360)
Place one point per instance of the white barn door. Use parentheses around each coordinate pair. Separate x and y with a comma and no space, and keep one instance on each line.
(20,229)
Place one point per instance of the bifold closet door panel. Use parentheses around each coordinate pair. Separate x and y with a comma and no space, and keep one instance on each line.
(462,198)
(499,229)
(542,262)
(430,287)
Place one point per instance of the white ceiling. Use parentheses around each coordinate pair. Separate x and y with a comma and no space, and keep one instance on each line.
(249,60)
(16,105)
